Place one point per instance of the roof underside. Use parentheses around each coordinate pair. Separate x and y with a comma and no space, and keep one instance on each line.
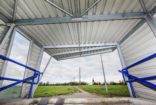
(82,27)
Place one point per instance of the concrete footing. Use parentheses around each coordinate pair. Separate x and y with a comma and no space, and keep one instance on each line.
(79,101)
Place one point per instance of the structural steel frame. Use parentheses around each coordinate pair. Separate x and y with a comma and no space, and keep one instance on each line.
(142,80)
(25,80)
(145,17)
(122,60)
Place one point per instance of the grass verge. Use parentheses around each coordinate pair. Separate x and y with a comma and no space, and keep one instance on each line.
(49,91)
(113,90)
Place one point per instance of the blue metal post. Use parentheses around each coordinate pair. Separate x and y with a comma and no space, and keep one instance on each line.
(31,86)
(130,83)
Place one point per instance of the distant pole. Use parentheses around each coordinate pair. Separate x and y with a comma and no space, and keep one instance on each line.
(104,76)
(73,79)
(79,76)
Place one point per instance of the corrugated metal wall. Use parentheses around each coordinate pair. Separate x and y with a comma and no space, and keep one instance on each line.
(141,44)
(33,62)
(4,48)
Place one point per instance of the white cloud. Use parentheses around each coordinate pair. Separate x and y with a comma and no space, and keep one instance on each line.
(66,70)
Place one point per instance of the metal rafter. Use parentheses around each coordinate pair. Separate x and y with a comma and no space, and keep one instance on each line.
(83,55)
(82,51)
(81,46)
(59,8)
(143,6)
(57,20)
(91,6)
(152,23)
(150,20)
(14,10)
(4,18)
(136,27)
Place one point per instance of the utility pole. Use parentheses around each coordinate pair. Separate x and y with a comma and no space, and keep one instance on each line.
(79,76)
(104,76)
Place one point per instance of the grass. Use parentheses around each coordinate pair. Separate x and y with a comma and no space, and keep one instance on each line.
(113,90)
(49,91)
(12,92)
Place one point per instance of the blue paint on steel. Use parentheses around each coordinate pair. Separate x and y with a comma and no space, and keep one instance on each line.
(31,87)
(130,84)
(17,81)
(143,80)
(141,61)
(13,84)
(12,79)
(20,64)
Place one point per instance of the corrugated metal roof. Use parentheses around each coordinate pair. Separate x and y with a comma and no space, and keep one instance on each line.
(40,8)
(75,33)
(89,32)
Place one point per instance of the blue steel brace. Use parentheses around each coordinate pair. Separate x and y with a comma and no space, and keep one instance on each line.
(143,80)
(29,80)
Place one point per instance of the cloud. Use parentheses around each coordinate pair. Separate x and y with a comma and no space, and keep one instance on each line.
(66,70)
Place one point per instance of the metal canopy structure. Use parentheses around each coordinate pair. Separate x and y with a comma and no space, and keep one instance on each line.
(62,27)
(74,28)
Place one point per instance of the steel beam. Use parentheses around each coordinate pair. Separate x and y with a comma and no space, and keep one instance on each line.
(122,60)
(84,55)
(143,6)
(153,11)
(148,17)
(59,8)
(152,23)
(82,51)
(80,46)
(14,10)
(141,22)
(57,20)
(4,18)
(7,36)
(91,6)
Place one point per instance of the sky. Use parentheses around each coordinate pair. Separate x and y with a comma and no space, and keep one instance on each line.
(66,70)
(90,66)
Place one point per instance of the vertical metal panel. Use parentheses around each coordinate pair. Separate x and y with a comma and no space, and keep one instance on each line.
(32,62)
(5,50)
(141,44)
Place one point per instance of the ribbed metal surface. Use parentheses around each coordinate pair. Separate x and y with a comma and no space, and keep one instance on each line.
(40,8)
(3,51)
(74,33)
(88,33)
(6,8)
(141,44)
(35,52)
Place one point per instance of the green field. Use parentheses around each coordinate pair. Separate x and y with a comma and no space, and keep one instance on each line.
(113,90)
(48,91)
(13,92)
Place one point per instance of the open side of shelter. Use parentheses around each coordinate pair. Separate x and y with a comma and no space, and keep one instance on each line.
(67,29)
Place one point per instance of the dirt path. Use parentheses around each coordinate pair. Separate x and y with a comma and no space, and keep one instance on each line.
(81,94)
